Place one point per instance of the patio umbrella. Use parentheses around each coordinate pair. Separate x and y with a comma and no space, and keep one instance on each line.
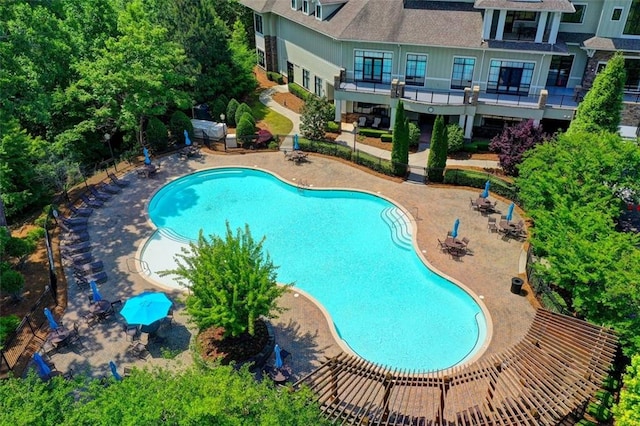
(147,159)
(454,232)
(485,193)
(278,363)
(510,212)
(146,308)
(296,147)
(94,290)
(187,141)
(114,371)
(52,322)
(43,369)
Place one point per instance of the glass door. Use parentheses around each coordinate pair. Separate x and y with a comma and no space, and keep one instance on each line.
(373,69)
(289,72)
(559,71)
(509,81)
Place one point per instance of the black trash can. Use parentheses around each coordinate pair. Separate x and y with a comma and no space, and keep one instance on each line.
(516,285)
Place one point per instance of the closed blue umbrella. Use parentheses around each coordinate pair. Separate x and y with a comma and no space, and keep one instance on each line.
(454,232)
(114,371)
(510,212)
(276,350)
(147,159)
(485,193)
(52,322)
(296,147)
(94,290)
(187,141)
(146,308)
(43,369)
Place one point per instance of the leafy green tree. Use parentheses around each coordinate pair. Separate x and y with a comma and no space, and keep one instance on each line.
(316,113)
(414,134)
(178,123)
(400,145)
(157,134)
(601,107)
(455,138)
(232,282)
(241,110)
(437,160)
(58,174)
(244,81)
(627,411)
(571,189)
(232,107)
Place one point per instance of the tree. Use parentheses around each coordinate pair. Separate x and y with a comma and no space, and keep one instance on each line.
(627,411)
(514,141)
(232,107)
(245,128)
(455,138)
(437,160)
(316,112)
(178,123)
(231,281)
(601,107)
(400,146)
(157,134)
(59,173)
(243,81)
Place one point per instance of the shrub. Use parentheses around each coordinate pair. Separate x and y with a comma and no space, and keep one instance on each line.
(274,145)
(476,179)
(232,106)
(20,247)
(299,91)
(12,282)
(178,122)
(274,76)
(245,128)
(157,134)
(514,142)
(387,137)
(218,107)
(372,133)
(414,134)
(332,127)
(248,116)
(241,110)
(456,138)
(7,325)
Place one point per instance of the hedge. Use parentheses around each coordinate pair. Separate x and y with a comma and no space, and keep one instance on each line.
(476,146)
(335,150)
(299,91)
(274,76)
(476,179)
(333,127)
(372,133)
(388,137)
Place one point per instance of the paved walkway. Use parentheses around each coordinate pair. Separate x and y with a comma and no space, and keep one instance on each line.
(120,228)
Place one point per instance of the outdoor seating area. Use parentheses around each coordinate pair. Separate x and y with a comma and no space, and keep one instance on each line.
(296,156)
(280,371)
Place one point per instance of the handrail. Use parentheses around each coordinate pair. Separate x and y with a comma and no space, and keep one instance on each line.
(143,264)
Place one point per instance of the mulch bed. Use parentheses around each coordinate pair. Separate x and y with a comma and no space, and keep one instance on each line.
(239,349)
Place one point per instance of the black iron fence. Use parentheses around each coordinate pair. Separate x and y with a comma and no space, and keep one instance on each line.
(549,299)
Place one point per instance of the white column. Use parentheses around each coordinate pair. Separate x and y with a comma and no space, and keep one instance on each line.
(392,122)
(469,127)
(486,24)
(536,123)
(461,120)
(555,26)
(338,115)
(501,19)
(542,24)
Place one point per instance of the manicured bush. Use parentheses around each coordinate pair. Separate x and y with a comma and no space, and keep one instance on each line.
(414,134)
(232,106)
(7,325)
(333,127)
(299,91)
(245,128)
(386,137)
(241,110)
(178,122)
(248,116)
(372,133)
(455,138)
(274,145)
(157,134)
(477,179)
(274,76)
(470,147)
(12,282)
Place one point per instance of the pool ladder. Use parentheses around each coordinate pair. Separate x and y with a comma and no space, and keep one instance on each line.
(399,226)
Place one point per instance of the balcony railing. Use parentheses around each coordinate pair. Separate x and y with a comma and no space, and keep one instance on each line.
(365,86)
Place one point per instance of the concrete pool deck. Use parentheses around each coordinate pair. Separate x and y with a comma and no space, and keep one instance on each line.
(120,228)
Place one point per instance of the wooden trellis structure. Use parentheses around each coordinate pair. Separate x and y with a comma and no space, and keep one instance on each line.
(550,374)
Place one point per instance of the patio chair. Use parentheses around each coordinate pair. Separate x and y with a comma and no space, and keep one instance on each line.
(472,204)
(75,335)
(130,332)
(139,350)
(465,241)
(102,196)
(96,204)
(85,279)
(362,121)
(90,319)
(76,248)
(80,211)
(122,183)
(79,259)
(108,188)
(492,226)
(376,122)
(116,305)
(73,237)
(443,246)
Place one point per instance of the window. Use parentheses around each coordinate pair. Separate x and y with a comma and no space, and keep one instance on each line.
(305,6)
(258,23)
(577,17)
(632,26)
(559,71)
(290,73)
(318,86)
(294,5)
(305,79)
(462,75)
(524,16)
(632,67)
(372,66)
(510,77)
(318,11)
(261,60)
(617,14)
(416,70)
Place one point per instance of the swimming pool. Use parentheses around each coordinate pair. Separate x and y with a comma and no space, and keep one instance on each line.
(351,251)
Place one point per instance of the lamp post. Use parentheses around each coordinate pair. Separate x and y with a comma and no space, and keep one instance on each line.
(224,129)
(107,138)
(355,136)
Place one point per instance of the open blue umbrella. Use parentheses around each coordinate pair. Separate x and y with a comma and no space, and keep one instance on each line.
(485,193)
(296,147)
(187,141)
(454,232)
(276,351)
(94,290)
(52,322)
(146,308)
(114,371)
(43,369)
(510,212)
(147,159)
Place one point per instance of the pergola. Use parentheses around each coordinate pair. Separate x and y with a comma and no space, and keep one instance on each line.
(549,375)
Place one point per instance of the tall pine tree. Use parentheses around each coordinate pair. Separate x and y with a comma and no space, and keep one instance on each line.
(400,147)
(437,151)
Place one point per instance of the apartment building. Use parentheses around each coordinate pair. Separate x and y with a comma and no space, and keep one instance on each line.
(480,63)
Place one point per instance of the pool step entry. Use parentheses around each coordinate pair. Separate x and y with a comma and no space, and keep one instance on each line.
(399,226)
(173,235)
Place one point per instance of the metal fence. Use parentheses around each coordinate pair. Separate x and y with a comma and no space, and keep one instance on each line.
(549,299)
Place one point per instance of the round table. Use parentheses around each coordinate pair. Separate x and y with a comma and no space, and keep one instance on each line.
(100,307)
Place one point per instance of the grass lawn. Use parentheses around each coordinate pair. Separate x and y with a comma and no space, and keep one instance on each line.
(276,123)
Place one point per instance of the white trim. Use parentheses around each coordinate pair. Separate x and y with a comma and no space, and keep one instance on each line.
(318,16)
(621,9)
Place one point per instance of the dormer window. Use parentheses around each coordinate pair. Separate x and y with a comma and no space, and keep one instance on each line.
(577,17)
(306,7)
(295,4)
(319,11)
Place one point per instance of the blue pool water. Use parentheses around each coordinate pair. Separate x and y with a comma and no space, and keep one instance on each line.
(350,250)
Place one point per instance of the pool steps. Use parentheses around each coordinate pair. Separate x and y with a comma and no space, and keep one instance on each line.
(173,235)
(399,226)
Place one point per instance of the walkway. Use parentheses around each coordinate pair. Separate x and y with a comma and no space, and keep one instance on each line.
(118,231)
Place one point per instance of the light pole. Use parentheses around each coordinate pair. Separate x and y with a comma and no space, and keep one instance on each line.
(107,138)
(355,136)
(224,129)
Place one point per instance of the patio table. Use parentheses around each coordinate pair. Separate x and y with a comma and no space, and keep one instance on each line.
(58,336)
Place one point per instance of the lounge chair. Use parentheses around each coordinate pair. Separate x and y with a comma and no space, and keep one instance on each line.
(99,277)
(102,196)
(75,222)
(76,248)
(76,259)
(89,268)
(75,237)
(80,211)
(109,188)
(122,183)
(96,204)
